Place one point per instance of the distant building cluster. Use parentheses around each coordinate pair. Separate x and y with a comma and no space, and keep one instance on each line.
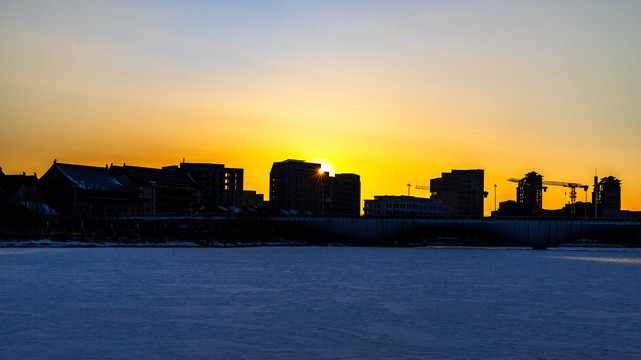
(90,192)
(458,193)
(296,188)
(74,191)
(219,185)
(606,198)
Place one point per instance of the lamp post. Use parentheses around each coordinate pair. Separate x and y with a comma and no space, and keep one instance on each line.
(586,202)
(494,197)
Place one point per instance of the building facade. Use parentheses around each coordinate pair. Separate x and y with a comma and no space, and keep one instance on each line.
(608,196)
(219,185)
(253,200)
(462,190)
(21,198)
(303,187)
(164,191)
(390,205)
(344,195)
(88,192)
(297,185)
(529,192)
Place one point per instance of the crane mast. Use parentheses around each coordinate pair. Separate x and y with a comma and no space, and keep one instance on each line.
(533,183)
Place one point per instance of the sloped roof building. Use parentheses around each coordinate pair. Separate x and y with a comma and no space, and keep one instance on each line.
(164,190)
(88,192)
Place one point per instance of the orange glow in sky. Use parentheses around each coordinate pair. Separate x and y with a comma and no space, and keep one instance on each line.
(396,92)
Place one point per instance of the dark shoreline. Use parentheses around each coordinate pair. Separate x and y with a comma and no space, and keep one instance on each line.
(82,240)
(290,231)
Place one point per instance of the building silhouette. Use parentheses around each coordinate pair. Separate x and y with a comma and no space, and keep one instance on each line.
(164,191)
(344,195)
(21,198)
(529,197)
(88,192)
(462,190)
(302,187)
(608,196)
(529,192)
(219,185)
(297,185)
(253,200)
(391,205)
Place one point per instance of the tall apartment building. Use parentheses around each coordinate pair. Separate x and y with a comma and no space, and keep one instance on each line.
(297,185)
(462,190)
(529,192)
(302,186)
(608,196)
(345,195)
(219,185)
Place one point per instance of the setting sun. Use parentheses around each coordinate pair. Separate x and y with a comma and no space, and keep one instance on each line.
(326,166)
(397,97)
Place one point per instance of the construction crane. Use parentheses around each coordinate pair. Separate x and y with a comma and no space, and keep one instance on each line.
(540,187)
(572,187)
(530,190)
(422,187)
(532,185)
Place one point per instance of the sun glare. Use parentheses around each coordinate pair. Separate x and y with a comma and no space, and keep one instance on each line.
(326,166)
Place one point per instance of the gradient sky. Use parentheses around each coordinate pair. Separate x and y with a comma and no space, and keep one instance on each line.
(395,91)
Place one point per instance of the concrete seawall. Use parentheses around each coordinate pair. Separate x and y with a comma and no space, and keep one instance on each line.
(209,230)
(527,232)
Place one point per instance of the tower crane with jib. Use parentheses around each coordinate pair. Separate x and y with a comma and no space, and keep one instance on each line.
(422,187)
(572,187)
(531,187)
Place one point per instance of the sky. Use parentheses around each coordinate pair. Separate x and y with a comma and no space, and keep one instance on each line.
(395,91)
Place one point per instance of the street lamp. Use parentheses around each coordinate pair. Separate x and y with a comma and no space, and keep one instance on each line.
(494,197)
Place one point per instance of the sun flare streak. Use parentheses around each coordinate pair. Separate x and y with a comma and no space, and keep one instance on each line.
(326,166)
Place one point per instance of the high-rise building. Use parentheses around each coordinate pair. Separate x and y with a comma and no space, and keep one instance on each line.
(529,192)
(219,185)
(608,195)
(297,185)
(462,190)
(344,195)
(304,187)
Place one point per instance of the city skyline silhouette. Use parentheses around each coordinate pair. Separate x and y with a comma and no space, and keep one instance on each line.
(574,192)
(395,92)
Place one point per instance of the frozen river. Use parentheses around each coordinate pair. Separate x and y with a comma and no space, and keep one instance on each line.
(319,303)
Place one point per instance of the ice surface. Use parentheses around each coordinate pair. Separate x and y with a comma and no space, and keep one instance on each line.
(318,303)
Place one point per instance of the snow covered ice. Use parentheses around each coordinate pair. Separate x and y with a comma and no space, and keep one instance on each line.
(319,303)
